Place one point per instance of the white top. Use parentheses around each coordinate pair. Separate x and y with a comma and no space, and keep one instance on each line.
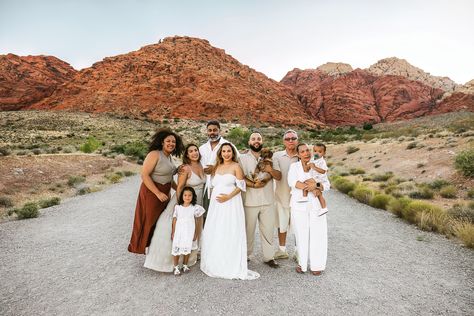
(209,155)
(295,174)
(255,196)
(282,162)
(321,164)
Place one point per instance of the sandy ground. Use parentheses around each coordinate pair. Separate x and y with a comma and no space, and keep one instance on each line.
(73,260)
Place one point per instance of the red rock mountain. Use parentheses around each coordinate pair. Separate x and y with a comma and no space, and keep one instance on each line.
(354,97)
(26,80)
(180,77)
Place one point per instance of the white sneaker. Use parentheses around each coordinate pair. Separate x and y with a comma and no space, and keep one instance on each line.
(322,211)
(303,199)
(186,268)
(176,271)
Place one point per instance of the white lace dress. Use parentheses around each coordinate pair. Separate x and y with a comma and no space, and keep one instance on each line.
(185,228)
(159,256)
(224,240)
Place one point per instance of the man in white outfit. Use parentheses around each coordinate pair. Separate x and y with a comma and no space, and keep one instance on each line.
(310,229)
(281,163)
(209,153)
(258,201)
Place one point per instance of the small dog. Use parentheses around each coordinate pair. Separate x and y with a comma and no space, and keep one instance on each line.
(265,160)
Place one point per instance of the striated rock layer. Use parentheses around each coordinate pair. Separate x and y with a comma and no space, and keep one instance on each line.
(29,79)
(180,77)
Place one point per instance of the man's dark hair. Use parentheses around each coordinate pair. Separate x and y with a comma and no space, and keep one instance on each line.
(216,123)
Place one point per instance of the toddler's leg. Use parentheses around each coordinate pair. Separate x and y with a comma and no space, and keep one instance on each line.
(305,196)
(322,201)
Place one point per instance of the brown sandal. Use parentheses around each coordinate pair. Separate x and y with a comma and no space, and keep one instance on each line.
(299,270)
(316,272)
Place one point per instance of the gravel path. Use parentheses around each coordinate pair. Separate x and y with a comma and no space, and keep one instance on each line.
(73,260)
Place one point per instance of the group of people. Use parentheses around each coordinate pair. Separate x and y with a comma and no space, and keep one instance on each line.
(219,199)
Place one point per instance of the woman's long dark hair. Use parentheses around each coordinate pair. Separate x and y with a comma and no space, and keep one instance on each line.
(190,189)
(159,137)
(220,160)
(186,160)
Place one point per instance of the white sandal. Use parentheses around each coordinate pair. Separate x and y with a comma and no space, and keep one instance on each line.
(176,271)
(186,268)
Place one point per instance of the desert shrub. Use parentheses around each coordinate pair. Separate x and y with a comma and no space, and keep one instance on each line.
(344,185)
(128,173)
(355,171)
(114,177)
(91,145)
(4,151)
(367,126)
(413,210)
(411,145)
(464,162)
(448,192)
(239,137)
(424,193)
(438,184)
(5,201)
(434,219)
(470,193)
(29,210)
(352,149)
(380,201)
(462,212)
(36,151)
(396,206)
(136,149)
(382,177)
(75,180)
(362,194)
(83,190)
(344,174)
(49,202)
(465,232)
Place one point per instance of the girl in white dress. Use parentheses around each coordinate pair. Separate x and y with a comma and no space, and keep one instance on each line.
(224,240)
(191,174)
(184,232)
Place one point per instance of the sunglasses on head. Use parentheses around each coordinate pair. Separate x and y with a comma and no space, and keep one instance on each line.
(291,138)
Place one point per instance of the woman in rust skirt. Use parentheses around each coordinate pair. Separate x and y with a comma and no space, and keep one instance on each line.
(157,176)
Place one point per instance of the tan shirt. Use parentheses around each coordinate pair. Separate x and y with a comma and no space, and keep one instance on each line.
(282,162)
(255,196)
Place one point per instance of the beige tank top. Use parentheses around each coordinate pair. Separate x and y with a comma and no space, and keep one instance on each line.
(164,169)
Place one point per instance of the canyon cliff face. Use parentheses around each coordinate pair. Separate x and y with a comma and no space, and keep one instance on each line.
(341,96)
(27,80)
(180,77)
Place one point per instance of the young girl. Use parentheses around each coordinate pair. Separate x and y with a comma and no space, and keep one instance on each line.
(183,231)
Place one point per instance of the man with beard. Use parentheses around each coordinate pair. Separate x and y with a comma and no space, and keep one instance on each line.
(208,155)
(258,202)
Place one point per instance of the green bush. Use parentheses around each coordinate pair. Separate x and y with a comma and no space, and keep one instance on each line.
(434,219)
(83,190)
(75,180)
(470,193)
(5,201)
(465,232)
(49,202)
(29,210)
(396,206)
(462,212)
(137,149)
(5,151)
(380,201)
(239,137)
(91,145)
(464,162)
(355,171)
(128,173)
(114,177)
(411,145)
(413,210)
(424,193)
(367,126)
(382,177)
(362,194)
(352,149)
(448,192)
(438,184)
(344,185)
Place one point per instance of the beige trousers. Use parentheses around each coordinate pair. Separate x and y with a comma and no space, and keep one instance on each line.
(265,215)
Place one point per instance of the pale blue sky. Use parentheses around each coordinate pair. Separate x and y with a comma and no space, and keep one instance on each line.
(270,36)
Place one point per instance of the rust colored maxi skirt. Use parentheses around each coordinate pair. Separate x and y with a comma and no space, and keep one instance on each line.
(147,211)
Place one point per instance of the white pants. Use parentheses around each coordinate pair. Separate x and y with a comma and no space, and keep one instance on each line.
(311,237)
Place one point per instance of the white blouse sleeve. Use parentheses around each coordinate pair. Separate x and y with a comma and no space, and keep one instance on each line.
(293,175)
(240,184)
(175,212)
(198,210)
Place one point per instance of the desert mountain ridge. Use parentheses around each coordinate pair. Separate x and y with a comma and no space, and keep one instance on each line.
(187,77)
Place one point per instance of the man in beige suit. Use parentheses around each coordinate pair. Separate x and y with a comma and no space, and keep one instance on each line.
(259,202)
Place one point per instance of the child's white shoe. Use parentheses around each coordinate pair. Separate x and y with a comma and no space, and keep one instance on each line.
(323,211)
(186,268)
(176,271)
(303,199)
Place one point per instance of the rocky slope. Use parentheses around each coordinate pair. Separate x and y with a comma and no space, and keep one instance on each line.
(180,77)
(29,79)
